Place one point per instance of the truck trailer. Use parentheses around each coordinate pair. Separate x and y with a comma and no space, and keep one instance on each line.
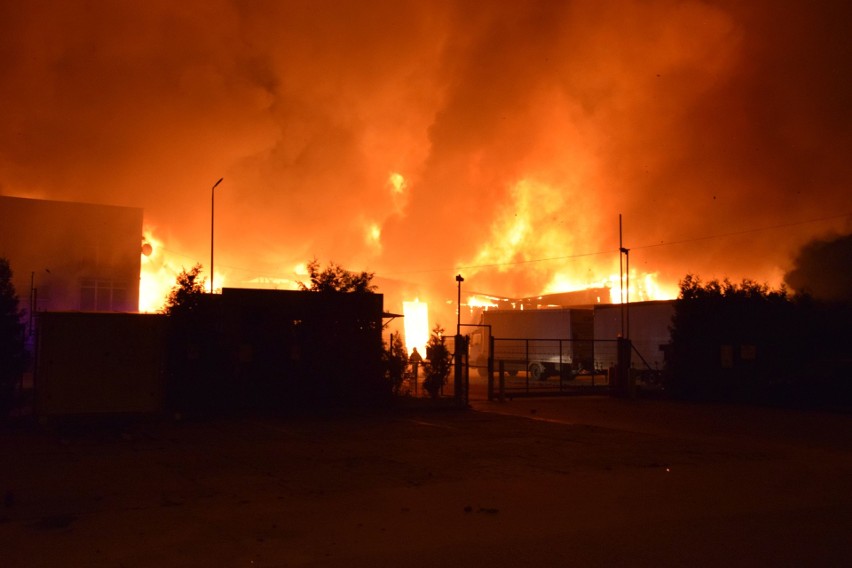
(541,342)
(647,326)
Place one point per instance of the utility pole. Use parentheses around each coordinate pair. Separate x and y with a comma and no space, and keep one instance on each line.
(212,219)
(459,345)
(624,283)
(459,279)
(624,386)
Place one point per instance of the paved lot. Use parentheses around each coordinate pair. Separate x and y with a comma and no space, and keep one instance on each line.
(589,481)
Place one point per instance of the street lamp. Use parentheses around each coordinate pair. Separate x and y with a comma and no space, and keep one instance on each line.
(212,219)
(459,279)
(459,347)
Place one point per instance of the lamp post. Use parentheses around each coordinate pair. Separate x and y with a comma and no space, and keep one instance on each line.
(459,346)
(459,279)
(212,220)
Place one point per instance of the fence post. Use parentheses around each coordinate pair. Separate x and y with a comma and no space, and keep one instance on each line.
(466,372)
(460,350)
(490,364)
(622,375)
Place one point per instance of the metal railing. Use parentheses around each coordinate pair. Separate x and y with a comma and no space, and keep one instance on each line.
(535,367)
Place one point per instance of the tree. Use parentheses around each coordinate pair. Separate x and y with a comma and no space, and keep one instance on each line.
(13,352)
(185,296)
(395,360)
(739,341)
(337,279)
(194,355)
(438,363)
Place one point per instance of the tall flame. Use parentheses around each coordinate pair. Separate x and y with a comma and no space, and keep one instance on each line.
(157,277)
(530,236)
(416,325)
(159,272)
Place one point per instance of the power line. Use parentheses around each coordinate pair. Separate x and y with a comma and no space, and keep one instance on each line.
(743,232)
(639,247)
(498,264)
(586,254)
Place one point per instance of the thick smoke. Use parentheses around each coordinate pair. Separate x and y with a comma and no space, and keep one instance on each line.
(823,269)
(720,130)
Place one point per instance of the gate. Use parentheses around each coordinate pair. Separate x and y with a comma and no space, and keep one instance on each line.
(541,367)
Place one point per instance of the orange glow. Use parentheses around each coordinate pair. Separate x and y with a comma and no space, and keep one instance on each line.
(416,324)
(397,182)
(643,287)
(159,271)
(481,302)
(158,275)
(515,231)
(373,237)
(220,282)
(503,146)
(531,238)
(399,192)
(301,269)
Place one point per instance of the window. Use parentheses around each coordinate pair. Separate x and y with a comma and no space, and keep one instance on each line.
(103,295)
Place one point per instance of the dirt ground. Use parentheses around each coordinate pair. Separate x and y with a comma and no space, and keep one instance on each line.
(581,481)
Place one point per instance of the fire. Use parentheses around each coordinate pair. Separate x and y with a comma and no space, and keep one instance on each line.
(158,275)
(220,281)
(643,287)
(397,182)
(530,235)
(398,186)
(516,232)
(481,302)
(416,324)
(654,290)
(373,237)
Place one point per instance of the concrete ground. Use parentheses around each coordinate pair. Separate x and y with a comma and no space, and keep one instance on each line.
(580,481)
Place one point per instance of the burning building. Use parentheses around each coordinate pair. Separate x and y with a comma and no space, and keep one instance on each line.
(420,140)
(72,256)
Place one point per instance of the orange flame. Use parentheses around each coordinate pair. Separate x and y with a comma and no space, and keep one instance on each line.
(416,325)
(159,272)
(158,275)
(529,228)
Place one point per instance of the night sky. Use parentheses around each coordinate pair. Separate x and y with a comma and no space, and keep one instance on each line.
(421,139)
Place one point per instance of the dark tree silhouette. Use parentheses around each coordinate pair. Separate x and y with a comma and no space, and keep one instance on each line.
(736,341)
(193,354)
(13,353)
(335,278)
(395,360)
(438,362)
(185,296)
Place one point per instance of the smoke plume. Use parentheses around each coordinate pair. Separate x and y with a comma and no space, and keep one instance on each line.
(421,139)
(823,269)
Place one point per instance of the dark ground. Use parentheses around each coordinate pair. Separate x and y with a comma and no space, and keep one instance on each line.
(582,481)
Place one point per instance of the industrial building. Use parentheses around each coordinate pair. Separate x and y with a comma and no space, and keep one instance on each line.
(69,256)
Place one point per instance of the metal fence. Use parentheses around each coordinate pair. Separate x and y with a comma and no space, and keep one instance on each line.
(536,367)
(456,385)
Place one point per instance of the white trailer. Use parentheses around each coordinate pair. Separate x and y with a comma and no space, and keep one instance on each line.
(541,342)
(648,329)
